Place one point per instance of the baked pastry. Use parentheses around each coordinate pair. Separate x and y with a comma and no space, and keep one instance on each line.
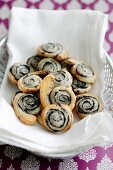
(42,73)
(47,85)
(87,104)
(62,95)
(52,50)
(17,71)
(57,118)
(83,72)
(80,87)
(30,83)
(49,65)
(26,107)
(68,63)
(62,78)
(33,62)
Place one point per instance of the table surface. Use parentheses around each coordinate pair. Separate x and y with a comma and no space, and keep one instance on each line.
(97,158)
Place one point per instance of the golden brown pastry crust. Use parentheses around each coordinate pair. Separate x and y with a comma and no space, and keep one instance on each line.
(29,119)
(62,93)
(33,61)
(83,115)
(49,64)
(63,78)
(46,86)
(42,73)
(53,106)
(62,55)
(12,79)
(79,76)
(26,89)
(69,61)
(80,87)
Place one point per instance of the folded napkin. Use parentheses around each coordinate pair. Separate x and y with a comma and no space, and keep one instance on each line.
(82,34)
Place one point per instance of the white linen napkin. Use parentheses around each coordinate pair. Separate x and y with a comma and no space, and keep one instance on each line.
(82,33)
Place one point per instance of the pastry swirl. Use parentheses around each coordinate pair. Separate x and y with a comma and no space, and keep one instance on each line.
(49,64)
(53,50)
(17,71)
(26,107)
(80,86)
(30,83)
(29,103)
(33,62)
(62,78)
(87,104)
(49,93)
(50,49)
(83,72)
(62,95)
(57,118)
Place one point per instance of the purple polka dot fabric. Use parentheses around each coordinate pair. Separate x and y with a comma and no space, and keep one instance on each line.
(97,158)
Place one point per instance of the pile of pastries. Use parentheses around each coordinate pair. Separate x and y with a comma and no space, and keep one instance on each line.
(51,84)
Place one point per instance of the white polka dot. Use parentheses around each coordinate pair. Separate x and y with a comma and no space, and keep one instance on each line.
(87,1)
(60,1)
(4,12)
(101,6)
(111,16)
(111,36)
(74,5)
(47,5)
(106,46)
